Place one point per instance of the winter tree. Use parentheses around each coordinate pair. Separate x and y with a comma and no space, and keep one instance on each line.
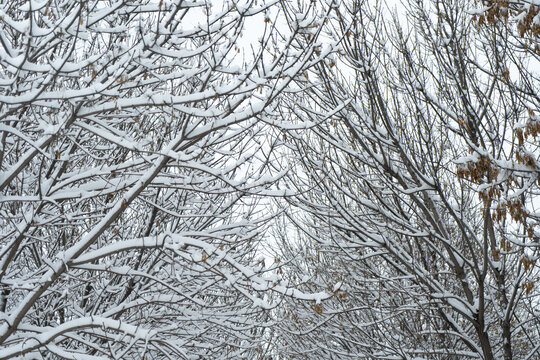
(135,143)
(417,185)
